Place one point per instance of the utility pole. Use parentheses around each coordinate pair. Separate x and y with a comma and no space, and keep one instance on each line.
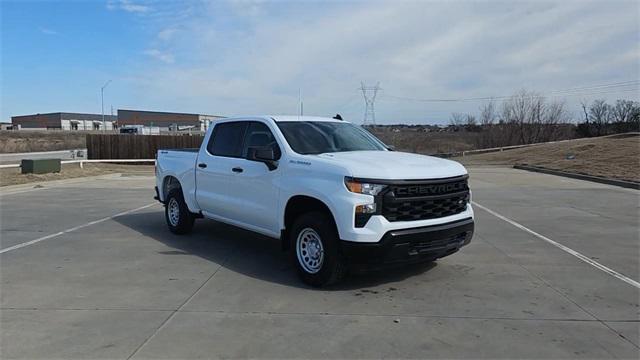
(301,105)
(369,93)
(104,128)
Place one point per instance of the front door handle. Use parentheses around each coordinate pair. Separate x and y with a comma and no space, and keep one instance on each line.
(202,165)
(237,169)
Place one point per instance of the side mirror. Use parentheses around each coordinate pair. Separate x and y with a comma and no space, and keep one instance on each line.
(264,154)
(391,148)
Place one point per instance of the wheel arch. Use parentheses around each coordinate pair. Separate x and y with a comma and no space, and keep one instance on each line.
(170,182)
(298,205)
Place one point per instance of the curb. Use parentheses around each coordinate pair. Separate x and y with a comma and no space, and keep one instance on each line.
(598,179)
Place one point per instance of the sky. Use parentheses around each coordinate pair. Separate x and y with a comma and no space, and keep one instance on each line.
(242,57)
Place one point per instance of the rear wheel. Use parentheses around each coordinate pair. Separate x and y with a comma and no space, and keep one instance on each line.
(179,219)
(315,244)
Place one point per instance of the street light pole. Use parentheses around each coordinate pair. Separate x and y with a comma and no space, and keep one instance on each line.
(104,127)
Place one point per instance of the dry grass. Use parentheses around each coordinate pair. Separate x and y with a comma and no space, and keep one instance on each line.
(28,141)
(426,143)
(13,176)
(616,157)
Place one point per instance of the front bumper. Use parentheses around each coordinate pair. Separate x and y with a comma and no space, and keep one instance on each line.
(378,225)
(411,245)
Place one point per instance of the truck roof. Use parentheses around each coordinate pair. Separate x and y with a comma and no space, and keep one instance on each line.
(280,118)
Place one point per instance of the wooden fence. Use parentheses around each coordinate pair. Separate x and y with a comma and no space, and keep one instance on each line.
(124,146)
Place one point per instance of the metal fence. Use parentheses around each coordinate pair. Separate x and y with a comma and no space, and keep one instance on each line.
(124,146)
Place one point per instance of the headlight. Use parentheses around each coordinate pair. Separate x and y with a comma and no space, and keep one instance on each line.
(363,188)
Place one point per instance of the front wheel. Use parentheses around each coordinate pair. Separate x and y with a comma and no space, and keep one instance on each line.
(179,219)
(316,252)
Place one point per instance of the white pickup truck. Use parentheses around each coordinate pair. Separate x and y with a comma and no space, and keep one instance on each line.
(334,194)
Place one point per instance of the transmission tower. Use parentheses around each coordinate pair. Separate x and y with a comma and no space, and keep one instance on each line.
(369,93)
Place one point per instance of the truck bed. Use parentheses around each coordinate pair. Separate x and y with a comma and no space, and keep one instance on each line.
(195,150)
(180,163)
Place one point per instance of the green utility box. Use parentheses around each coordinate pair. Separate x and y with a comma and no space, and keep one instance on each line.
(40,166)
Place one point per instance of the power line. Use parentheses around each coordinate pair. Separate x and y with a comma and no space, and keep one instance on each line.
(505,98)
(622,83)
(605,89)
(625,86)
(347,103)
(597,92)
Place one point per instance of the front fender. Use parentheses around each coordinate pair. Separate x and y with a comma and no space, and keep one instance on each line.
(330,191)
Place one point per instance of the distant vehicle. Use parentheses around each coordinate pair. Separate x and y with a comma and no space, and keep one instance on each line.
(329,190)
(140,130)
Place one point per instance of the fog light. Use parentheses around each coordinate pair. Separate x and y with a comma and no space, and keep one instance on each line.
(366,209)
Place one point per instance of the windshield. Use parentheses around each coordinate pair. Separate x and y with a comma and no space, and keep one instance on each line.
(317,137)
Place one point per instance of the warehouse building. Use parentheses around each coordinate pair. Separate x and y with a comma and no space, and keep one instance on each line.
(166,121)
(63,121)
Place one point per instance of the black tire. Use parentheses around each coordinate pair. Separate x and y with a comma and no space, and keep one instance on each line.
(183,222)
(332,267)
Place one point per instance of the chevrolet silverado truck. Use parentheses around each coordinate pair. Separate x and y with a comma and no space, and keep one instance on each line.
(331,192)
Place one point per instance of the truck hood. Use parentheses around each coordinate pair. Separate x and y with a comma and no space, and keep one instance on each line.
(394,165)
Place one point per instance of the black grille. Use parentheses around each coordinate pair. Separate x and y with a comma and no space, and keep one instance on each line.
(435,244)
(427,200)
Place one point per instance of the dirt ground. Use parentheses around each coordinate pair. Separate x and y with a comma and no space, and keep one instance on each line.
(616,156)
(12,176)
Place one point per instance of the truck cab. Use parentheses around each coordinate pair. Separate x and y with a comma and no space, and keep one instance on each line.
(336,196)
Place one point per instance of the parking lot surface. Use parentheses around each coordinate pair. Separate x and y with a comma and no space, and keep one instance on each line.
(89,270)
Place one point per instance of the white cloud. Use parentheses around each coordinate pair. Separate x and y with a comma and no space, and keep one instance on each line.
(128,6)
(247,7)
(165,57)
(167,34)
(48,31)
(236,62)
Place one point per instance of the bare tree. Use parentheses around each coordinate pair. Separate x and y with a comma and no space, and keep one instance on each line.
(624,110)
(490,131)
(635,117)
(528,118)
(600,115)
(584,104)
(555,113)
(457,119)
(470,120)
(522,114)
(488,113)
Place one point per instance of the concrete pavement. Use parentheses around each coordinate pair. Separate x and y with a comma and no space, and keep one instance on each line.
(127,288)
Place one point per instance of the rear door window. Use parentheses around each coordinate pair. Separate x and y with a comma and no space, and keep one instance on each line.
(227,139)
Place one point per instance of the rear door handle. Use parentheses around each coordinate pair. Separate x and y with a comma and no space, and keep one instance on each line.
(237,169)
(202,165)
